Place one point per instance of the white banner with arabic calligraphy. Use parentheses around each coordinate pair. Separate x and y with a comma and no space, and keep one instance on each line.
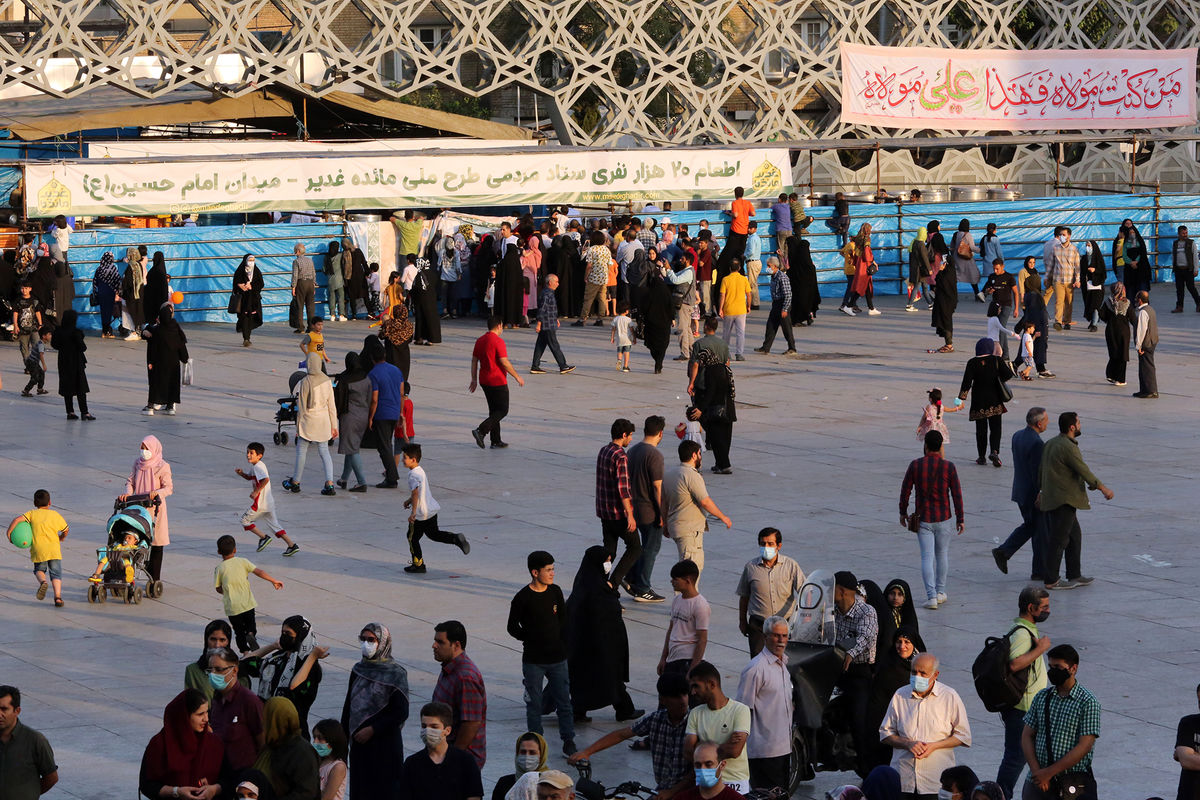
(104,187)
(1014,90)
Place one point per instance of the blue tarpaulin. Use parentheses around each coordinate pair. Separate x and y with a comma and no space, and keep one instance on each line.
(9,178)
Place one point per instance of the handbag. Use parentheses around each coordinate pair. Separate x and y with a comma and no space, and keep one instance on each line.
(294,313)
(235,302)
(964,249)
(1005,393)
(1067,785)
(189,373)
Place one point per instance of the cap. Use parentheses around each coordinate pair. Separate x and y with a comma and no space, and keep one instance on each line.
(846,580)
(559,780)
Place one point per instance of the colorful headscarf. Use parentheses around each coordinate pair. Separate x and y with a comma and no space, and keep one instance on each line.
(922,236)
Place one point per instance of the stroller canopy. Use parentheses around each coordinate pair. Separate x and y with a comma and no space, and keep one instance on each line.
(137,519)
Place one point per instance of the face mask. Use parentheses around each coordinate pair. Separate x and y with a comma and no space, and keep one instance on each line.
(919,683)
(528,763)
(706,778)
(147,455)
(369,648)
(1063,238)
(218,681)
(250,263)
(432,737)
(945,794)
(608,565)
(1058,676)
(1042,617)
(323,750)
(767,553)
(286,641)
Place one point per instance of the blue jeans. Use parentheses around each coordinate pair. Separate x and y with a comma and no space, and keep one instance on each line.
(52,568)
(560,695)
(934,538)
(302,456)
(354,463)
(548,337)
(1033,530)
(1013,760)
(639,576)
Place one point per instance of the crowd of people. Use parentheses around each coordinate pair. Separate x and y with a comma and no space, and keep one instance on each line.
(240,725)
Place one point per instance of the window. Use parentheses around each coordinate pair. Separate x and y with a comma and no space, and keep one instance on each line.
(815,33)
(431,36)
(777,64)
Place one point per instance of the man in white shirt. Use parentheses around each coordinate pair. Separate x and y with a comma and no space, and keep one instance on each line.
(766,687)
(423,517)
(925,721)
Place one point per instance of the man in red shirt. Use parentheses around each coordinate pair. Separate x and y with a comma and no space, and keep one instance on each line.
(740,212)
(490,369)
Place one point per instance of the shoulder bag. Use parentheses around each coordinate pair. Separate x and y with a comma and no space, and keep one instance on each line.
(1067,785)
(964,249)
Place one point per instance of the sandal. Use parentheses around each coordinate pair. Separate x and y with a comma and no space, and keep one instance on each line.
(58,602)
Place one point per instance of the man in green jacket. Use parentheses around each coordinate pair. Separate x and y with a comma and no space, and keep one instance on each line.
(1063,477)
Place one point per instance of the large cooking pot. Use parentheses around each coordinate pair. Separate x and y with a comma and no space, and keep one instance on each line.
(968,194)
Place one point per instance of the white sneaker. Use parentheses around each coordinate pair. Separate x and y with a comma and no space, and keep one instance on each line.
(910,307)
(941,598)
(169,411)
(931,603)
(148,411)
(132,337)
(846,310)
(980,296)
(873,312)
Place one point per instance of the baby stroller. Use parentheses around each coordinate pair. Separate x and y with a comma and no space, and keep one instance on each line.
(286,413)
(133,515)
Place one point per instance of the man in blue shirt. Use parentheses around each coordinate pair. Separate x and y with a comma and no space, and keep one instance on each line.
(547,330)
(387,400)
(1027,461)
(753,262)
(781,219)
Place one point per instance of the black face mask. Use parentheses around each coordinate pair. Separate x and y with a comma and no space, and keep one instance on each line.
(286,641)
(1042,617)
(1058,676)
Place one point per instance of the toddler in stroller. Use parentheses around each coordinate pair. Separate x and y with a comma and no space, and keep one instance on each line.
(286,414)
(130,533)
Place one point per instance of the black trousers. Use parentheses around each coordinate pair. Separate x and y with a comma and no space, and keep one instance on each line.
(1090,791)
(154,565)
(245,631)
(428,528)
(776,320)
(83,406)
(37,375)
(617,530)
(1065,537)
(497,403)
(985,429)
(385,430)
(856,683)
(1184,279)
(718,433)
(548,338)
(1147,375)
(769,773)
(754,634)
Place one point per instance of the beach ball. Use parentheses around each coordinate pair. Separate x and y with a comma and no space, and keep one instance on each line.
(176,298)
(22,535)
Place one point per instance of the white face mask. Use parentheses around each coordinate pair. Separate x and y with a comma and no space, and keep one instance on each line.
(250,263)
(432,737)
(528,763)
(945,794)
(146,454)
(767,553)
(369,649)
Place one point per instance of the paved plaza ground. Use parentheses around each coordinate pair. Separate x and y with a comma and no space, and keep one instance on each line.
(819,451)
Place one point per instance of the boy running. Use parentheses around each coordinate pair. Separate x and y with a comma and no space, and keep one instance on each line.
(422,520)
(262,506)
(49,531)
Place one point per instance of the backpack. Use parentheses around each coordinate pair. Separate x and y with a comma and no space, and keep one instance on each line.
(997,686)
(963,249)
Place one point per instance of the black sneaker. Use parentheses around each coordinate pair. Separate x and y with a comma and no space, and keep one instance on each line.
(263,543)
(566,369)
(569,749)
(291,550)
(463,544)
(415,569)
(291,485)
(499,445)
(648,596)
(362,487)
(537,371)
(328,491)
(478,436)
(386,485)
(1001,559)
(1045,374)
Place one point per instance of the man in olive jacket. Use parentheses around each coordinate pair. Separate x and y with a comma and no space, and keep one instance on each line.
(1063,477)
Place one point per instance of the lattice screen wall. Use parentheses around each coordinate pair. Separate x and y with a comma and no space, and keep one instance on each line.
(647,71)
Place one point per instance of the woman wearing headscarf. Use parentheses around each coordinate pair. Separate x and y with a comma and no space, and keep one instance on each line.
(938,251)
(151,475)
(352,396)
(375,709)
(962,252)
(132,286)
(1092,276)
(288,667)
(67,339)
(984,379)
(64,286)
(424,297)
(657,312)
(892,669)
(883,783)
(106,289)
(354,273)
(945,300)
(531,758)
(597,644)
(863,284)
(217,633)
(43,280)
(166,351)
(531,265)
(392,296)
(287,759)
(336,285)
(919,268)
(397,334)
(802,272)
(461,250)
(316,422)
(987,790)
(1129,250)
(184,758)
(989,247)
(899,611)
(246,300)
(713,394)
(483,269)
(156,294)
(1117,317)
(510,287)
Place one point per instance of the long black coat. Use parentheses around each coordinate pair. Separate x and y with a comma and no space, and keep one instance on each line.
(982,378)
(802,273)
(166,350)
(657,315)
(249,306)
(64,288)
(510,286)
(154,293)
(597,643)
(72,363)
(424,297)
(1117,329)
(945,300)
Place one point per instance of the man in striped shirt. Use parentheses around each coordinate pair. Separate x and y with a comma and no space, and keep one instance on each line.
(935,481)
(781,301)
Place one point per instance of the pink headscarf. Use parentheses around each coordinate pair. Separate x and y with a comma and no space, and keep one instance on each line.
(144,471)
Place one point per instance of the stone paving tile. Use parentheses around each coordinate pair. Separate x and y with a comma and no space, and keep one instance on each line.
(819,451)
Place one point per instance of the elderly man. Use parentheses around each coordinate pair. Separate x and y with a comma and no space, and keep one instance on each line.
(555,785)
(547,330)
(304,286)
(710,771)
(1063,476)
(925,721)
(1027,447)
(1145,342)
(767,588)
(857,631)
(766,687)
(781,302)
(236,714)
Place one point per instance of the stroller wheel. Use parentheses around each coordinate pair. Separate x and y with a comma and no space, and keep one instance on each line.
(101,594)
(154,589)
(283,438)
(128,595)
(137,596)
(91,594)
(275,438)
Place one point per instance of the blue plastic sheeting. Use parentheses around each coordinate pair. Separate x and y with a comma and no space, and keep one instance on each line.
(9,178)
(201,262)
(1023,227)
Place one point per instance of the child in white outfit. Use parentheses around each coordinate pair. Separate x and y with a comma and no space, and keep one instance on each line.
(1025,356)
(262,506)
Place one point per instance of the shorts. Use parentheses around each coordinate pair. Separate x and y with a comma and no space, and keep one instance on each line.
(53,566)
(624,348)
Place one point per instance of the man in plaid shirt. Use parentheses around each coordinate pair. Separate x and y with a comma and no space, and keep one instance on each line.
(1063,752)
(781,301)
(460,686)
(1065,278)
(547,330)
(614,501)
(936,483)
(857,633)
(646,233)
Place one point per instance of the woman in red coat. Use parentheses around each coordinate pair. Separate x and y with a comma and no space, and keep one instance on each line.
(184,758)
(863,285)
